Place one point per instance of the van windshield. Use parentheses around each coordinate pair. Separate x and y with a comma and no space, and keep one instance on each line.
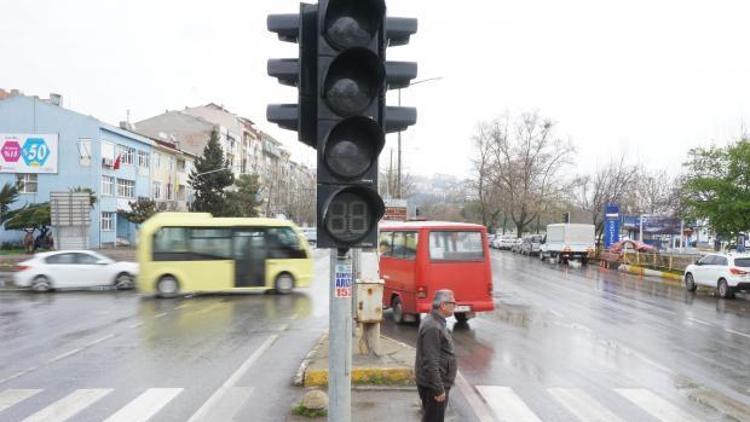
(456,246)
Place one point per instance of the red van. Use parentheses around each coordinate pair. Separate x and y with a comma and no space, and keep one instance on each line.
(418,258)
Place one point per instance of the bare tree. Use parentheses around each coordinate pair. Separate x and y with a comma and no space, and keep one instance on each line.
(489,203)
(525,164)
(610,184)
(654,193)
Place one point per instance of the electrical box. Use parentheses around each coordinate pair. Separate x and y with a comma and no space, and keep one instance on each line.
(369,301)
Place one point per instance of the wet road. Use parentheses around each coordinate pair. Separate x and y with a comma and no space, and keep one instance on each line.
(569,344)
(100,355)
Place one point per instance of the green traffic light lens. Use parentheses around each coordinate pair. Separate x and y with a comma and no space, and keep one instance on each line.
(353,146)
(354,80)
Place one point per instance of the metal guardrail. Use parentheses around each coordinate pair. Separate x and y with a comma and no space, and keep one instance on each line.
(664,262)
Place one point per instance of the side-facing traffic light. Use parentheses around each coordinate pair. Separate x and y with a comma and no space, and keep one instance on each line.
(301,28)
(353,119)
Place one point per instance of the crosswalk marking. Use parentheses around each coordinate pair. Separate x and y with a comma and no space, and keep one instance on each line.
(506,404)
(146,405)
(10,397)
(582,405)
(69,406)
(655,405)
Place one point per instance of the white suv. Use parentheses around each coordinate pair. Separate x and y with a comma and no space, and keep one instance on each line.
(726,272)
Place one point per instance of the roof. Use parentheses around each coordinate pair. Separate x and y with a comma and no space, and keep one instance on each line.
(194,219)
(428,224)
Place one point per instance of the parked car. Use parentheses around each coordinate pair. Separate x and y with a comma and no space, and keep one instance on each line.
(74,269)
(728,273)
(530,244)
(491,239)
(516,248)
(505,241)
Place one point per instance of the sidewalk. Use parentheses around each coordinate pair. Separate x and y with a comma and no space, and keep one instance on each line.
(383,387)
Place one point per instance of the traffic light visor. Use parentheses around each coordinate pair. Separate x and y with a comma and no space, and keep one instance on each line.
(353,23)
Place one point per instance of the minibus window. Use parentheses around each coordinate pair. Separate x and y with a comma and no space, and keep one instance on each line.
(410,245)
(211,243)
(456,246)
(385,245)
(398,244)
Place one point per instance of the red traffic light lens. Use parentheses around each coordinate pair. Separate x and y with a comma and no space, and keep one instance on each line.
(353,23)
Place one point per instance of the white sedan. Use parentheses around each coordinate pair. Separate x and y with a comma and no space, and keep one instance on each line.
(74,269)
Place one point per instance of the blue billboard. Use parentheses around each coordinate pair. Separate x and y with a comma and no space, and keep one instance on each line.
(611,224)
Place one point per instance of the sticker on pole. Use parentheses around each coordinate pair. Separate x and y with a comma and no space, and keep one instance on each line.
(343,280)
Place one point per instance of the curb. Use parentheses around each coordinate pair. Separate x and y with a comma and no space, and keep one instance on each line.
(669,278)
(299,377)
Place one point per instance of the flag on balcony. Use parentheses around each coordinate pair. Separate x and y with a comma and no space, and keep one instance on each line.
(116,166)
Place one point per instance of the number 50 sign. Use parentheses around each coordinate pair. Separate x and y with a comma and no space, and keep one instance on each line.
(28,153)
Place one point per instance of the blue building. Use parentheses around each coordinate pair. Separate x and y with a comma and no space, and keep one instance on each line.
(79,151)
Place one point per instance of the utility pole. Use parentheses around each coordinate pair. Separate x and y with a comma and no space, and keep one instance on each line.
(340,336)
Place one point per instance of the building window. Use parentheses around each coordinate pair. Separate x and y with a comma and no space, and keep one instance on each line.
(27,183)
(157,160)
(108,219)
(169,191)
(126,154)
(143,159)
(181,166)
(170,164)
(108,186)
(156,190)
(125,188)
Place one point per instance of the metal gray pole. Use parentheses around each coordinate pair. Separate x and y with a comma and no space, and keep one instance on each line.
(398,178)
(340,338)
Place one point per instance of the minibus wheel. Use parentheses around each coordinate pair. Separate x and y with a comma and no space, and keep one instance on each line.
(168,286)
(284,283)
(461,317)
(398,310)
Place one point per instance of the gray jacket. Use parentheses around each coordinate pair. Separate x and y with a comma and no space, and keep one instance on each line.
(435,367)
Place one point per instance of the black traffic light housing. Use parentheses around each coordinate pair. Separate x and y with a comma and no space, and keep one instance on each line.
(342,77)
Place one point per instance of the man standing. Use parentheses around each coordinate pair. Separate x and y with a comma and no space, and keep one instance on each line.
(435,366)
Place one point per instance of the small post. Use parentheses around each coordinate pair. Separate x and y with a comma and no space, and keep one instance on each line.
(340,337)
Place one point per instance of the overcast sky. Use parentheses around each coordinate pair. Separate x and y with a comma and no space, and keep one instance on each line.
(651,78)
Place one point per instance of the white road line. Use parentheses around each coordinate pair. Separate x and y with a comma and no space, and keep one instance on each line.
(583,405)
(555,313)
(217,396)
(68,406)
(145,406)
(10,397)
(18,374)
(95,342)
(65,355)
(698,321)
(655,405)
(282,327)
(140,324)
(729,330)
(506,404)
(477,405)
(231,403)
(184,305)
(163,314)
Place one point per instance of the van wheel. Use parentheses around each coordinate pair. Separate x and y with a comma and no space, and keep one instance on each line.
(284,283)
(461,317)
(690,283)
(41,284)
(168,286)
(724,290)
(398,310)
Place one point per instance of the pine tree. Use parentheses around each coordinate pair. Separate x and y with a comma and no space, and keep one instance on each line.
(245,202)
(208,180)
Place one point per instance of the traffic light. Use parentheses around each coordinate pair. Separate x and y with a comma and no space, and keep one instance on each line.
(342,76)
(353,118)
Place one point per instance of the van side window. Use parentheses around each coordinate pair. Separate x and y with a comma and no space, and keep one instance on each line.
(456,246)
(283,243)
(410,245)
(385,245)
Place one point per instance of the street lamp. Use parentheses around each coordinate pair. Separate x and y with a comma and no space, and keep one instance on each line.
(398,176)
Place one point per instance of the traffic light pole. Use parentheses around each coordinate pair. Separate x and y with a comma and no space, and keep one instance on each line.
(340,337)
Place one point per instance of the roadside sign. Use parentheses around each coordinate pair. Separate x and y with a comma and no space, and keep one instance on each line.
(343,284)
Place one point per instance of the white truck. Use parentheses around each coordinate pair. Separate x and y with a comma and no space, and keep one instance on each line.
(565,242)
